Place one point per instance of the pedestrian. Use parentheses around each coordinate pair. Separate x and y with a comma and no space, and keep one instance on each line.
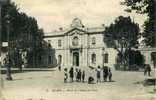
(149,70)
(83,76)
(71,73)
(145,70)
(98,74)
(109,74)
(105,73)
(8,64)
(65,75)
(79,75)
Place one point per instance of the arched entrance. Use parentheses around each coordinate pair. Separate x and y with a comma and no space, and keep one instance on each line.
(75,58)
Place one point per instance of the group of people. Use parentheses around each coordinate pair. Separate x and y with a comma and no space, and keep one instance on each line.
(79,75)
(76,74)
(107,74)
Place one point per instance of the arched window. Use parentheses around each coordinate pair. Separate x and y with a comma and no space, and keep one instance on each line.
(59,59)
(93,58)
(106,58)
(75,41)
(93,40)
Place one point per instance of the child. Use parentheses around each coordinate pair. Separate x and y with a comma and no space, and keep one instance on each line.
(65,75)
(110,75)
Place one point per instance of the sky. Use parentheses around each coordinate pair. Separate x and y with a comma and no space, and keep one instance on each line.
(53,14)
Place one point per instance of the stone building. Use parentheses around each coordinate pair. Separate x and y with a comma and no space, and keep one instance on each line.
(80,46)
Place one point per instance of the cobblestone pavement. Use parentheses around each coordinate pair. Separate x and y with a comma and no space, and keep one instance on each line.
(49,85)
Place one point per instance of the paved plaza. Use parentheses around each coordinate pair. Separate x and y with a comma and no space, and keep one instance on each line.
(49,85)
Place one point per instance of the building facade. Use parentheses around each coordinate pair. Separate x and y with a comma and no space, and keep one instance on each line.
(80,46)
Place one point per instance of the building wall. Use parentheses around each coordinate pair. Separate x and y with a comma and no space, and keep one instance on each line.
(87,49)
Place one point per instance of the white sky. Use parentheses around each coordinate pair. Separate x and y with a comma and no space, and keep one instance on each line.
(52,14)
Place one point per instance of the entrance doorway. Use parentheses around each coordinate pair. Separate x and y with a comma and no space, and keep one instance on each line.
(75,58)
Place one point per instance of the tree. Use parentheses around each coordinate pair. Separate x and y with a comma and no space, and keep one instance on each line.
(24,32)
(136,58)
(122,35)
(145,7)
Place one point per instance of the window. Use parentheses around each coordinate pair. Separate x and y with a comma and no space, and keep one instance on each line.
(93,41)
(59,59)
(59,43)
(75,41)
(106,58)
(93,58)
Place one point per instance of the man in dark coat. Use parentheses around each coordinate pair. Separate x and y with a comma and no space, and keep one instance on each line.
(105,73)
(71,73)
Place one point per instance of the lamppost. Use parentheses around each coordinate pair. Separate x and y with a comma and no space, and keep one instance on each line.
(8,72)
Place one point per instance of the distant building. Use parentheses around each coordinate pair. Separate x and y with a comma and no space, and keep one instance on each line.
(81,46)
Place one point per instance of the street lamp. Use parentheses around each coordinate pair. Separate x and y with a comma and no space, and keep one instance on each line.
(8,73)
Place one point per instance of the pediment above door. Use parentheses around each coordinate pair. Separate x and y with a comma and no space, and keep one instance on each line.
(75,31)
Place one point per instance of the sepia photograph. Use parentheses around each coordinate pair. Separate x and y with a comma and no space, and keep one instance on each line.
(77,49)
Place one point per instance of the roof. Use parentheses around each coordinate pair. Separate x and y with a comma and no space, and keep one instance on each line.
(64,32)
(76,25)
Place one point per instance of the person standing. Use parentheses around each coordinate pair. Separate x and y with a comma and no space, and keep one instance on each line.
(71,73)
(76,74)
(65,75)
(83,76)
(8,64)
(98,74)
(79,75)
(105,73)
(145,70)
(149,70)
(109,74)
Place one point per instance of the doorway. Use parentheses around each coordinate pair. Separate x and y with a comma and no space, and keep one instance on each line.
(75,58)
